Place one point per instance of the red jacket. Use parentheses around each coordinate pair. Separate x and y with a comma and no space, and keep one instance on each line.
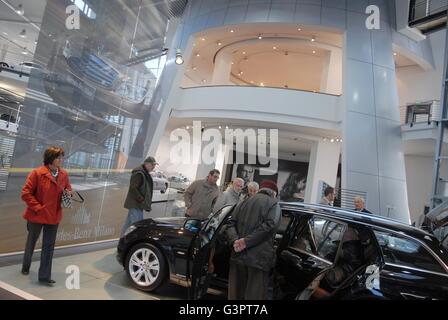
(42,195)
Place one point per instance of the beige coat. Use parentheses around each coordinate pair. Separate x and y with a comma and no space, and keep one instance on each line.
(200,198)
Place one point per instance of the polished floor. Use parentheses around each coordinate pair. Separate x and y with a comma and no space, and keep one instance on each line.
(101,278)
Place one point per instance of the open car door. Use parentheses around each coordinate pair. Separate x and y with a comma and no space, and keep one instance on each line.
(200,252)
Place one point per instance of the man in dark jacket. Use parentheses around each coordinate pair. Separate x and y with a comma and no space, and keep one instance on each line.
(139,196)
(251,232)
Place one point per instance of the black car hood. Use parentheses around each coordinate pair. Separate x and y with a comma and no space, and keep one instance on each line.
(172,221)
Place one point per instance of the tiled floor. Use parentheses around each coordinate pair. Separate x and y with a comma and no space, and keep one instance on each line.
(101,278)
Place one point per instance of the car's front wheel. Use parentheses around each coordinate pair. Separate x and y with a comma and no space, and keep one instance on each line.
(145,267)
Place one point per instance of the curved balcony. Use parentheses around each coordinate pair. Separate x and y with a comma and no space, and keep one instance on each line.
(285,106)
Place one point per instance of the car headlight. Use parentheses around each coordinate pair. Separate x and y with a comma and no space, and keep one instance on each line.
(129,230)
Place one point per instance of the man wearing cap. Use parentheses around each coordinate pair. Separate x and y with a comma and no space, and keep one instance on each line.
(251,233)
(139,196)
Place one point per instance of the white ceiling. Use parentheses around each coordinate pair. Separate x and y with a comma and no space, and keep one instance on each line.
(292,139)
(273,61)
(11,24)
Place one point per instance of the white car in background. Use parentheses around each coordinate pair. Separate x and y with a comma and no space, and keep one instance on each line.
(160,181)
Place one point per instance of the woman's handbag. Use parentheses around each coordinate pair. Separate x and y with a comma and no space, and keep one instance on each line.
(67,200)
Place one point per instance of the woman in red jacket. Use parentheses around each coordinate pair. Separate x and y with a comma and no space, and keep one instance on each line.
(42,194)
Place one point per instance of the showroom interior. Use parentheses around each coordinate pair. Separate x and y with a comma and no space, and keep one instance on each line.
(342,93)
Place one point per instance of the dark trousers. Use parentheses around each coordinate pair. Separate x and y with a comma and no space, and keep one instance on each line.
(246,283)
(46,256)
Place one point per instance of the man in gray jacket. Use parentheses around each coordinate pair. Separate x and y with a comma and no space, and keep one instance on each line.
(201,195)
(140,192)
(231,196)
(251,232)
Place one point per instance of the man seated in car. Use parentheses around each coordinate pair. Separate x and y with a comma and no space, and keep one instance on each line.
(350,259)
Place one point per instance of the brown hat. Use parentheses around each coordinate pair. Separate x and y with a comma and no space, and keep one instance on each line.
(150,160)
(268,184)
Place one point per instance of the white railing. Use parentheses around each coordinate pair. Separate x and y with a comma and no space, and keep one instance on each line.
(409,115)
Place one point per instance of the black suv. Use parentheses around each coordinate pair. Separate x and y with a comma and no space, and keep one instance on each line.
(322,253)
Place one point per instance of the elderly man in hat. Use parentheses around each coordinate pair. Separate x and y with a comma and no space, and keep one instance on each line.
(139,196)
(251,232)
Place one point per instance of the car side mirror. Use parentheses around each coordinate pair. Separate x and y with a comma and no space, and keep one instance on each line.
(193,225)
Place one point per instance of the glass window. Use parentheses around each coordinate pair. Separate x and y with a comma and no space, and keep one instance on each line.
(320,237)
(406,252)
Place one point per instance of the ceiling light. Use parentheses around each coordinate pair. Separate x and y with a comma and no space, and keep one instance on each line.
(275,48)
(233,63)
(220,127)
(179,59)
(314,51)
(198,55)
(332,140)
(252,82)
(20,10)
(232,31)
(227,127)
(260,37)
(299,29)
(395,54)
(204,81)
(219,43)
(24,51)
(194,68)
(262,84)
(313,39)
(203,39)
(22,34)
(244,52)
(188,127)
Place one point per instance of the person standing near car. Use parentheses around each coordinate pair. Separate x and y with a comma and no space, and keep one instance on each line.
(140,192)
(42,194)
(360,205)
(251,232)
(201,196)
(231,196)
(328,198)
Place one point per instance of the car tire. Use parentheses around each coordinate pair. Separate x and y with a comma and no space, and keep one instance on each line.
(146,267)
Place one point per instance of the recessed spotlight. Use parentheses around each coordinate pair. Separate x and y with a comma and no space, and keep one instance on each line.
(314,51)
(219,43)
(275,48)
(233,63)
(260,37)
(24,51)
(244,52)
(194,68)
(203,39)
(332,140)
(204,81)
(232,31)
(262,84)
(22,34)
(299,29)
(395,54)
(198,55)
(313,39)
(188,127)
(20,10)
(220,127)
